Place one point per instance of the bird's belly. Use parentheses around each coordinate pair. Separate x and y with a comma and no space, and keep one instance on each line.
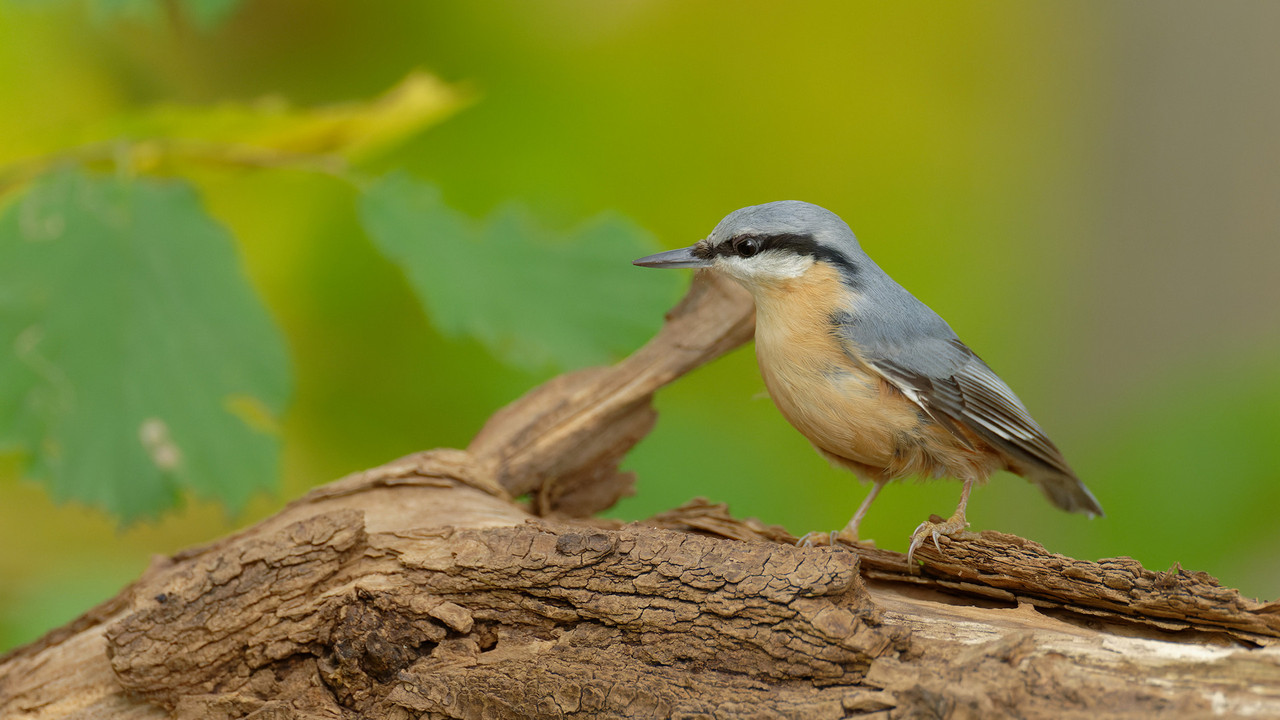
(848,413)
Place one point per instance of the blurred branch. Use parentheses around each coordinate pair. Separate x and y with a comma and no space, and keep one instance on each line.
(419,589)
(562,441)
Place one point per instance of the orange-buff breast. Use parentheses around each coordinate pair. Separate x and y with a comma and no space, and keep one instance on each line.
(850,414)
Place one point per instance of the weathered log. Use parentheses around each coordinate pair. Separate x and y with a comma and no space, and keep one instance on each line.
(420,589)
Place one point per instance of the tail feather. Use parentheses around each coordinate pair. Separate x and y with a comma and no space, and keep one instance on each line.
(1067,492)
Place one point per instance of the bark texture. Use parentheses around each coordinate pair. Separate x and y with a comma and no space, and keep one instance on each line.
(419,589)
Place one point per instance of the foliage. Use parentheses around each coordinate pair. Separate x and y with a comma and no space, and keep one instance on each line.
(545,301)
(138,354)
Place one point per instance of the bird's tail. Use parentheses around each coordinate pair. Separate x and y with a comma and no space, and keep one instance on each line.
(1067,492)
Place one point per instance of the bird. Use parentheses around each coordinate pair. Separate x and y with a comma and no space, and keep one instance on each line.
(876,381)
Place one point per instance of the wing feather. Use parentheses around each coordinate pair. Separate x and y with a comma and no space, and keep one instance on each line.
(913,349)
(962,389)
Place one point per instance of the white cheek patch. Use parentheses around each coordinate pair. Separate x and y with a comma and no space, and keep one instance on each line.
(770,265)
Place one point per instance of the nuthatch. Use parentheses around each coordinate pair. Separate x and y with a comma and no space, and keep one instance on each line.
(869,374)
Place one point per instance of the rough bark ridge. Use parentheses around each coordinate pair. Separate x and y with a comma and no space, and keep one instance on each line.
(419,589)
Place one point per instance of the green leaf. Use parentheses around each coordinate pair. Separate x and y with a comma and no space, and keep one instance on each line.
(267,133)
(269,130)
(535,298)
(135,361)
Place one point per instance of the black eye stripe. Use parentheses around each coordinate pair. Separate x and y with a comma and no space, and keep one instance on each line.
(798,243)
(732,246)
(792,242)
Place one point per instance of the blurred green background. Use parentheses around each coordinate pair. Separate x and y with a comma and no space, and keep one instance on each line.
(1087,191)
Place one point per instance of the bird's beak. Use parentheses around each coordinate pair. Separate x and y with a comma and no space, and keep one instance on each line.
(682,258)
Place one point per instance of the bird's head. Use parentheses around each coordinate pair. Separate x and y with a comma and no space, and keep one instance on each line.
(763,245)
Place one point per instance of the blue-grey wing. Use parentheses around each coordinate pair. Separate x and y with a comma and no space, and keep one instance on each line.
(953,385)
(913,349)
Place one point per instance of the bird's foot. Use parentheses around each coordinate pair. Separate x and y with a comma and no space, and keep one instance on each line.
(935,527)
(830,539)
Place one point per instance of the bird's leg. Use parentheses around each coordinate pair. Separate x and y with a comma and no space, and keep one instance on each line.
(850,532)
(949,527)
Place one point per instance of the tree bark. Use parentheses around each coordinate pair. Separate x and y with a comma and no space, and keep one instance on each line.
(420,589)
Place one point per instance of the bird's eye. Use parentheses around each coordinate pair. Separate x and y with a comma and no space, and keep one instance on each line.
(746,247)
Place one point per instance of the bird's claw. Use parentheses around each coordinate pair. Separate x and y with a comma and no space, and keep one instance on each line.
(933,528)
(830,539)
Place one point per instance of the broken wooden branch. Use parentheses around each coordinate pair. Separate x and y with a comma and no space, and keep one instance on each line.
(420,589)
